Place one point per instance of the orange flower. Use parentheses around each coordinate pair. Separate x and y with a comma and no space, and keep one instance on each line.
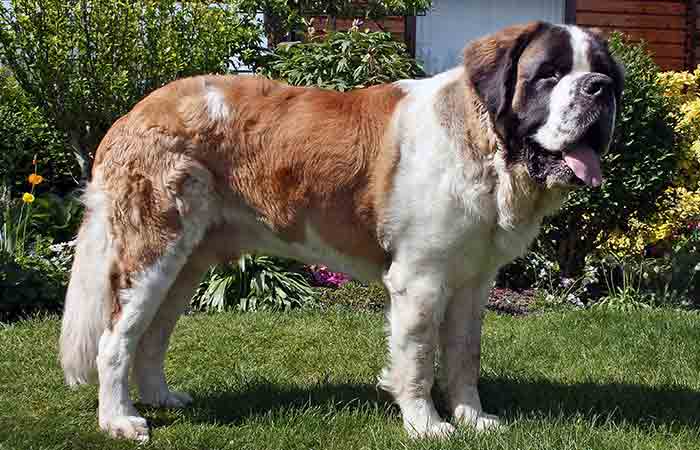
(27,197)
(35,179)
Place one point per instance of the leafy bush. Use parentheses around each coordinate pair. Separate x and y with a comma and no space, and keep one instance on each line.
(56,216)
(35,279)
(677,276)
(342,61)
(285,16)
(663,247)
(26,134)
(678,210)
(84,63)
(355,295)
(255,283)
(366,8)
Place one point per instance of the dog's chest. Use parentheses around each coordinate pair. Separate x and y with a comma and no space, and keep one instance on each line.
(484,245)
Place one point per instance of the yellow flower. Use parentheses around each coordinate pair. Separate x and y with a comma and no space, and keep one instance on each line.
(27,197)
(35,179)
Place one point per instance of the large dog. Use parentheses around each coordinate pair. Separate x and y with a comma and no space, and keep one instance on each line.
(430,185)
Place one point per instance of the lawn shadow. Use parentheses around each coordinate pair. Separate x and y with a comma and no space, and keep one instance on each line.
(616,402)
(259,398)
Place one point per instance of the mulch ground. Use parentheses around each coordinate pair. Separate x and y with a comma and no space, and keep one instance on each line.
(512,302)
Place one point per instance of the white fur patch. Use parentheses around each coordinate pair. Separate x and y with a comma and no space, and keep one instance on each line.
(84,317)
(217,108)
(448,222)
(314,248)
(117,414)
(580,43)
(563,118)
(430,86)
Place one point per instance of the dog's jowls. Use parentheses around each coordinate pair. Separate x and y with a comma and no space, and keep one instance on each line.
(430,185)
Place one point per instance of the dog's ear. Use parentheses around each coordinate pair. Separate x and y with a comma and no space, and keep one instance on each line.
(491,65)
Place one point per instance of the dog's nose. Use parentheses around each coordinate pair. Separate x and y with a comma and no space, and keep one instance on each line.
(596,84)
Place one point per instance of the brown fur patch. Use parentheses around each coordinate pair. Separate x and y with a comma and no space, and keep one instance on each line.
(466,121)
(487,54)
(296,157)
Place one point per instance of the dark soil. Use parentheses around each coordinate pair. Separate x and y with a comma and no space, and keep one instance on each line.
(511,302)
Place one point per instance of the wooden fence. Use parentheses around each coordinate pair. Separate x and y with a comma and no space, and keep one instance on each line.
(668,26)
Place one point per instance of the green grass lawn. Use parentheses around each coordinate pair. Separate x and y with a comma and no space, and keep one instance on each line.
(306,380)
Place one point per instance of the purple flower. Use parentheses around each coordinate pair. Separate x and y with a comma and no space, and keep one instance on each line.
(321,276)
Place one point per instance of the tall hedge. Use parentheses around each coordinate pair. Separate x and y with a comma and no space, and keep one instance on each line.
(84,63)
(25,133)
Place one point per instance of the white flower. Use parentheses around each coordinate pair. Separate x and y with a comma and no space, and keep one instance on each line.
(356,24)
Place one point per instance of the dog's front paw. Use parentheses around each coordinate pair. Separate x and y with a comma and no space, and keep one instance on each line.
(480,421)
(134,428)
(488,422)
(434,430)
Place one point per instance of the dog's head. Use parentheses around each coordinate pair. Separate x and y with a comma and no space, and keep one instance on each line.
(552,92)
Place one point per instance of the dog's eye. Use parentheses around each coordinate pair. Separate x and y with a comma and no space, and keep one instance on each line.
(548,72)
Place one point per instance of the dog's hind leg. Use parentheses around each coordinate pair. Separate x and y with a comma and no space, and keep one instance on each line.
(149,360)
(138,305)
(157,228)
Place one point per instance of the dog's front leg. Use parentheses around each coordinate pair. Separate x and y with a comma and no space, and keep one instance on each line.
(460,341)
(418,299)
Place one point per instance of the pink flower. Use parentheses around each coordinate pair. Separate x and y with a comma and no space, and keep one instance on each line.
(321,276)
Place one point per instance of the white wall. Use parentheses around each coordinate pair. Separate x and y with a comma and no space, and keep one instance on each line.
(444,31)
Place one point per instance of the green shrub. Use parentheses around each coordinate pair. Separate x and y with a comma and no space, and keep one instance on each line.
(367,8)
(84,63)
(285,16)
(33,271)
(355,295)
(674,277)
(254,283)
(35,279)
(56,216)
(24,134)
(342,61)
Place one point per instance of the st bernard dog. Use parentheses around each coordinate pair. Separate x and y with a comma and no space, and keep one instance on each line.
(429,185)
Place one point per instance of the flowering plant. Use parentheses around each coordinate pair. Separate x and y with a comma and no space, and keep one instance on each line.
(13,226)
(321,276)
(678,209)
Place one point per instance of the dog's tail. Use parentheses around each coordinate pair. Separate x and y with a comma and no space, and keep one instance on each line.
(85,316)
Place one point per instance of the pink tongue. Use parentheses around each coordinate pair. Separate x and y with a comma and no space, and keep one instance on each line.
(585,163)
